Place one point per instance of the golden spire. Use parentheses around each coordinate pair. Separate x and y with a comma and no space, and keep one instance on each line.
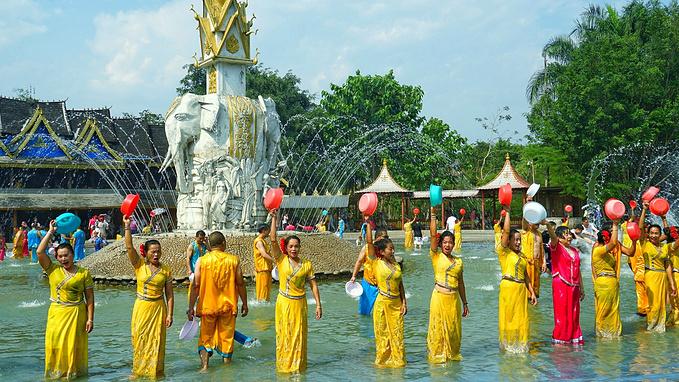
(225,33)
(506,156)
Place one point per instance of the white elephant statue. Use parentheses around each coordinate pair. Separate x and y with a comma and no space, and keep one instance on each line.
(223,130)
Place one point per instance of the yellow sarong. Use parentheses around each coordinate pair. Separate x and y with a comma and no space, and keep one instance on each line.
(673,317)
(607,305)
(387,319)
(291,334)
(445,328)
(606,291)
(263,285)
(513,325)
(65,335)
(291,315)
(409,240)
(445,311)
(655,259)
(388,325)
(148,321)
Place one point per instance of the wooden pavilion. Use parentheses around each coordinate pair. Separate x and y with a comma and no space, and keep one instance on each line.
(385,184)
(507,175)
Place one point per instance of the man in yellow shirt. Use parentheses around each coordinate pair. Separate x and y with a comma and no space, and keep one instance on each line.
(263,263)
(218,283)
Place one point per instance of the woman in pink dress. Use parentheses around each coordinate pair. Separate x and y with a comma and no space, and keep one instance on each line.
(567,290)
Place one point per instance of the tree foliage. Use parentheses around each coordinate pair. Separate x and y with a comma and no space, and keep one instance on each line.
(619,85)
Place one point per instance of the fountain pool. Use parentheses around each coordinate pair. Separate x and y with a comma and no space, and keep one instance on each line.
(341,344)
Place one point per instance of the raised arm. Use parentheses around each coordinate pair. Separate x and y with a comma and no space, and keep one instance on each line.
(553,239)
(275,246)
(131,252)
(433,240)
(614,236)
(43,259)
(505,230)
(642,217)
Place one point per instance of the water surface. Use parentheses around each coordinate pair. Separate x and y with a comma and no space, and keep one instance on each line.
(341,345)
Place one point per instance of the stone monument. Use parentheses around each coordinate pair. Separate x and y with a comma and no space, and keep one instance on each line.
(224,146)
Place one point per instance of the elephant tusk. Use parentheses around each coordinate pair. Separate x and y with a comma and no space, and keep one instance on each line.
(166,162)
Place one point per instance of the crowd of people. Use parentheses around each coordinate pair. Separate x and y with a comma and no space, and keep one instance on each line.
(217,286)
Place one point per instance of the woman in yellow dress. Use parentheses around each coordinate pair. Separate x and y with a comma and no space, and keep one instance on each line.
(606,278)
(658,273)
(409,241)
(291,305)
(515,291)
(672,235)
(153,308)
(390,306)
(458,234)
(445,312)
(71,314)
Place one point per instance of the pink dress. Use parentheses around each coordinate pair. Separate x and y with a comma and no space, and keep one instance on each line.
(566,294)
(3,248)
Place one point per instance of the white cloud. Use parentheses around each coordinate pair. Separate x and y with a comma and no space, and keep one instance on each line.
(143,49)
(20,19)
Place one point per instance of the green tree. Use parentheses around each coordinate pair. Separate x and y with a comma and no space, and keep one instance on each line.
(284,90)
(619,86)
(193,81)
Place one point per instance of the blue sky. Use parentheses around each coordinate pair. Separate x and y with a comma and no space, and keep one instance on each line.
(469,57)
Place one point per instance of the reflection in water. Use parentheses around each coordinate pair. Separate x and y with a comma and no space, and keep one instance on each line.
(567,361)
(607,357)
(517,367)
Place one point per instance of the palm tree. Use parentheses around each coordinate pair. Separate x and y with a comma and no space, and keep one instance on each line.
(558,52)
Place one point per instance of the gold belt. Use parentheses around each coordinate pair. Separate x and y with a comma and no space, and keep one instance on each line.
(446,287)
(387,295)
(290,296)
(146,298)
(66,303)
(606,274)
(512,278)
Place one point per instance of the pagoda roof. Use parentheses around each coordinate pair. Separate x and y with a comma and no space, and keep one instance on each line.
(91,143)
(78,119)
(133,139)
(33,141)
(158,140)
(384,183)
(16,113)
(506,175)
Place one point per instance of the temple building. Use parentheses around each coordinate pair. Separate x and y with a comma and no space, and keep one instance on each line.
(53,159)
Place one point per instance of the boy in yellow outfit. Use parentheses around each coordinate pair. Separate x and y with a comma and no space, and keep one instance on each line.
(218,283)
